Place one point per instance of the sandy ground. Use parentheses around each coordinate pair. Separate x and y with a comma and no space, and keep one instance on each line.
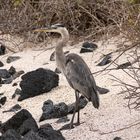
(112,119)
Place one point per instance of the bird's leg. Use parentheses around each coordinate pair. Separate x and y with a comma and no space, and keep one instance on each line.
(76,107)
(78,115)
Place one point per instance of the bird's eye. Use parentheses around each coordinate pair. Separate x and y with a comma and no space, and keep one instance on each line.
(53,27)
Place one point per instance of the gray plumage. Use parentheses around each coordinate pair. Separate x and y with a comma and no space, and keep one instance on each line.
(80,78)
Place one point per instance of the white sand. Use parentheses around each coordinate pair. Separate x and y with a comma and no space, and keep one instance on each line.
(113,117)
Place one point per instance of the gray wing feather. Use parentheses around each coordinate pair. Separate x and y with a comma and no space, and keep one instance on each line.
(80,78)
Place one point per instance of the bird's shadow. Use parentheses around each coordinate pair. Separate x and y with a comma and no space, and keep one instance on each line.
(67,126)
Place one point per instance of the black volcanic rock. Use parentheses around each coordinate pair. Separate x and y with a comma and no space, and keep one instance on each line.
(2,49)
(28,125)
(88,47)
(20,123)
(4,73)
(44,133)
(31,135)
(0,81)
(7,80)
(17,74)
(7,76)
(1,93)
(1,64)
(12,70)
(53,111)
(12,58)
(14,84)
(22,126)
(48,110)
(60,110)
(17,92)
(48,133)
(117,138)
(106,60)
(14,108)
(14,73)
(124,65)
(3,100)
(10,134)
(37,82)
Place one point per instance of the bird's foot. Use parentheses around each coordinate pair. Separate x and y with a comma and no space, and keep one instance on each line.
(78,123)
(71,126)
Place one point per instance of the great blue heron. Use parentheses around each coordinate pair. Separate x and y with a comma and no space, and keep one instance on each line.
(75,70)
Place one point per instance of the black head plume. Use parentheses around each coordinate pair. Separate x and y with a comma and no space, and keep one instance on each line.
(57,25)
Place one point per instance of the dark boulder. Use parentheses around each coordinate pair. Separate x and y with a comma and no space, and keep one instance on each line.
(12,70)
(47,109)
(28,125)
(10,134)
(14,84)
(0,81)
(1,64)
(12,58)
(106,60)
(7,80)
(60,110)
(3,100)
(88,47)
(37,82)
(6,77)
(2,49)
(1,94)
(31,135)
(20,123)
(14,108)
(117,138)
(48,133)
(53,111)
(4,74)
(22,126)
(17,74)
(44,133)
(17,92)
(14,73)
(124,65)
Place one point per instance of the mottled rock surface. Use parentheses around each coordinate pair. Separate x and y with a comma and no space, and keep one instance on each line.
(37,82)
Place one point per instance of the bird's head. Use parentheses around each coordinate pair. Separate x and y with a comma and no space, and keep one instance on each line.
(56,28)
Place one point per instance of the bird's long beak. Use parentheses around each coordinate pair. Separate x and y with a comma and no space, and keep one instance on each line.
(47,29)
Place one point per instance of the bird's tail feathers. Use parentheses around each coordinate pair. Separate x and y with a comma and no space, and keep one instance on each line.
(95,98)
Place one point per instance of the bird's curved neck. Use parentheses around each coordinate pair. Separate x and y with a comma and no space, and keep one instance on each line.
(63,41)
(60,56)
